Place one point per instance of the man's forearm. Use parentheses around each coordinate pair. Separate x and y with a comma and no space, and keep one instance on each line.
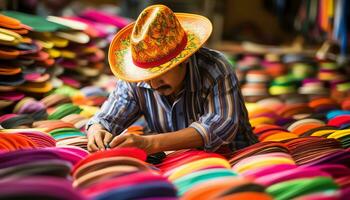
(182,139)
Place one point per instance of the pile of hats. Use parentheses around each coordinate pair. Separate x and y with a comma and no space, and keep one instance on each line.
(289,74)
(16,139)
(25,55)
(39,173)
(191,167)
(68,46)
(120,173)
(39,54)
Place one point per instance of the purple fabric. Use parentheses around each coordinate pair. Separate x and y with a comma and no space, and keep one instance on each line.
(9,159)
(58,168)
(39,186)
(283,121)
(31,107)
(341,157)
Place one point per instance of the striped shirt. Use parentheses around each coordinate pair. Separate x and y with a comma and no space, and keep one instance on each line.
(210,102)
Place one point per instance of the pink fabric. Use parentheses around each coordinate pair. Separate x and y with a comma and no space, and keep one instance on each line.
(6,117)
(289,175)
(103,17)
(11,96)
(268,170)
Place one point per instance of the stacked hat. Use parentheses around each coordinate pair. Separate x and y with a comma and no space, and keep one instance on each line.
(308,149)
(65,133)
(70,47)
(299,187)
(39,187)
(283,85)
(258,149)
(187,169)
(16,139)
(313,86)
(13,45)
(10,97)
(262,160)
(227,188)
(120,173)
(32,162)
(273,65)
(256,84)
(32,58)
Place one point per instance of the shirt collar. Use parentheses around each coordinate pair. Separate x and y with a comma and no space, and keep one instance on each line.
(143,85)
(193,81)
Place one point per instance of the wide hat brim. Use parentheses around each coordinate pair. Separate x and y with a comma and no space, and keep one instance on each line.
(197,28)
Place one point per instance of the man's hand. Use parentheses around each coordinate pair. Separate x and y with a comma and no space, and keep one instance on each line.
(98,138)
(133,140)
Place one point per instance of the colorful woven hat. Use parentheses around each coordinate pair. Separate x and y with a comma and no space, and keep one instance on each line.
(158,41)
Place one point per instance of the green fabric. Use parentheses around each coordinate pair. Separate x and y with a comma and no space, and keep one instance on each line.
(329,65)
(185,183)
(302,70)
(66,90)
(38,23)
(345,141)
(286,80)
(298,187)
(67,134)
(343,86)
(64,110)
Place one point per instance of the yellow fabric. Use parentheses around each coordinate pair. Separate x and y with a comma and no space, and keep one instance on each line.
(197,165)
(321,133)
(280,137)
(339,134)
(261,120)
(88,111)
(262,163)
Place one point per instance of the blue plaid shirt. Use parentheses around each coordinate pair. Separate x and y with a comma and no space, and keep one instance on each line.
(211,102)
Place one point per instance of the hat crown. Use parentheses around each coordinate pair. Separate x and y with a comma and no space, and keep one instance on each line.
(157,37)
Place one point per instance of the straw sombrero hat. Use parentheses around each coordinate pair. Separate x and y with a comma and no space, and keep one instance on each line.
(158,41)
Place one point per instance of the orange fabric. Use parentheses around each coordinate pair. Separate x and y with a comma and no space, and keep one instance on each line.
(269,133)
(9,71)
(9,22)
(303,128)
(247,195)
(322,101)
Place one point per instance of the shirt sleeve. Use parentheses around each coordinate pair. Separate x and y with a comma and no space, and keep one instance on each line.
(220,122)
(119,111)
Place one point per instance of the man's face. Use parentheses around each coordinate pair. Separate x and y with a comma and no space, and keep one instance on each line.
(171,82)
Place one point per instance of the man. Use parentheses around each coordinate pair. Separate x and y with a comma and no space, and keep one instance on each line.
(188,95)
